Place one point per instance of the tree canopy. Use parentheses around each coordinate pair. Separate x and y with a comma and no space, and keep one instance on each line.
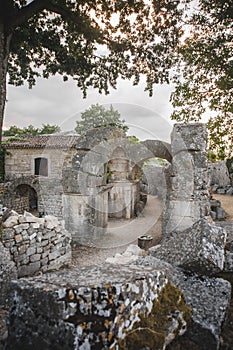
(97,116)
(95,42)
(205,84)
(31,130)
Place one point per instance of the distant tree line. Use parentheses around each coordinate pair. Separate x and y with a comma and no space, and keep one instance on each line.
(31,130)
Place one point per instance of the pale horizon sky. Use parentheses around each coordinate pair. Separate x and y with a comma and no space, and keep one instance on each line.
(53,101)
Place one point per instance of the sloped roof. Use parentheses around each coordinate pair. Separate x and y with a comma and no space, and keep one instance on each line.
(40,141)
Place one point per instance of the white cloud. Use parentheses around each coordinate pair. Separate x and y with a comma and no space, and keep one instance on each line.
(56,102)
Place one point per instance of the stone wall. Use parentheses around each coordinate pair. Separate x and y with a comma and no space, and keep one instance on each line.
(20,162)
(36,244)
(17,203)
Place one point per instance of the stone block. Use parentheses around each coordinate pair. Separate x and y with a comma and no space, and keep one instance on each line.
(18,238)
(221,191)
(22,249)
(85,311)
(44,261)
(28,270)
(55,254)
(44,242)
(31,250)
(199,248)
(32,236)
(189,137)
(230,191)
(35,257)
(45,254)
(51,222)
(220,213)
(8,233)
(30,219)
(209,299)
(19,228)
(11,221)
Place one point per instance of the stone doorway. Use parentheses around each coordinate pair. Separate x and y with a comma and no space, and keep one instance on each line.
(29,198)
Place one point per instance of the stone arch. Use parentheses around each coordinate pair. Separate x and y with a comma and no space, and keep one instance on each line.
(23,193)
(30,194)
(31,181)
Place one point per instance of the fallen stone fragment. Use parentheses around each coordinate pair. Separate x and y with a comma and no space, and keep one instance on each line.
(11,221)
(131,254)
(199,248)
(208,298)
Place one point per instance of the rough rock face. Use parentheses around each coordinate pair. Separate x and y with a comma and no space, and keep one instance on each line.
(228,264)
(207,297)
(187,194)
(36,244)
(199,248)
(7,273)
(218,174)
(105,307)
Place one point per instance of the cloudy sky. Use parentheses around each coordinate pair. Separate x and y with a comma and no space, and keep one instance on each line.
(56,102)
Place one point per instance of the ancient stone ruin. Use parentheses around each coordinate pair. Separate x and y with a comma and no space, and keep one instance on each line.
(148,302)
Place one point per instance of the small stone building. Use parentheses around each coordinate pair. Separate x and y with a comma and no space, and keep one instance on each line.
(83,180)
(33,172)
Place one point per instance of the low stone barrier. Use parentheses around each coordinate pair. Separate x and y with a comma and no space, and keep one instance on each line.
(36,244)
(96,307)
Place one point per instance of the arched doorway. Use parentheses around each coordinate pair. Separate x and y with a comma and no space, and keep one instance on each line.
(28,197)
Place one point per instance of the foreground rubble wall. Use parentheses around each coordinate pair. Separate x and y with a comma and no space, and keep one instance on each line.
(36,244)
(96,308)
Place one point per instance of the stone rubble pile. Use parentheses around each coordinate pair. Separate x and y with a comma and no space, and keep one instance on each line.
(35,244)
(224,189)
(217,212)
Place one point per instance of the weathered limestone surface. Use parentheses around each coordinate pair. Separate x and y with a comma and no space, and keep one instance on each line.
(36,244)
(199,248)
(218,174)
(228,263)
(96,308)
(208,298)
(86,217)
(7,273)
(187,196)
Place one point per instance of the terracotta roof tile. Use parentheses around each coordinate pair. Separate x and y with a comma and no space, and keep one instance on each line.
(41,141)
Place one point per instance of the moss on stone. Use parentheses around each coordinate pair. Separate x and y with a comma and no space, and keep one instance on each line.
(152,330)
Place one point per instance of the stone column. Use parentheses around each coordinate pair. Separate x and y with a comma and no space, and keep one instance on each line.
(188,196)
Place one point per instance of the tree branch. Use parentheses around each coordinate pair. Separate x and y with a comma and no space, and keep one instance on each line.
(23,14)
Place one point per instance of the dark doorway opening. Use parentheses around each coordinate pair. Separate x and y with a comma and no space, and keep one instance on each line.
(26,191)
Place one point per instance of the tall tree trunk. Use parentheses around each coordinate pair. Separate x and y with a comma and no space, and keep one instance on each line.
(4,56)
